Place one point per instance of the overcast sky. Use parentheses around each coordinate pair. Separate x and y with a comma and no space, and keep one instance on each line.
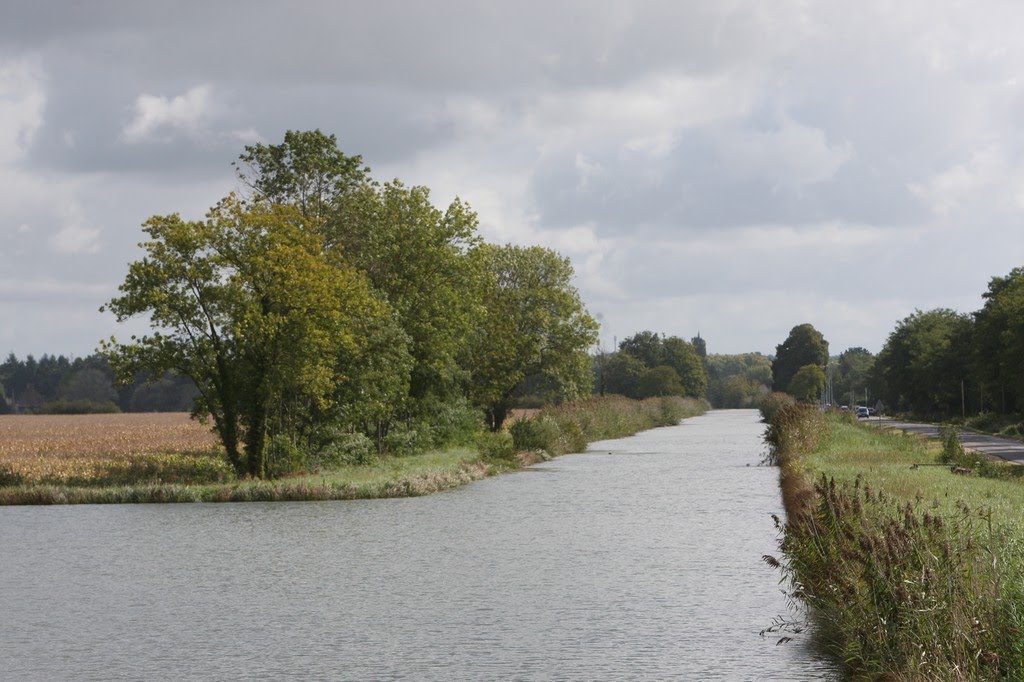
(731,167)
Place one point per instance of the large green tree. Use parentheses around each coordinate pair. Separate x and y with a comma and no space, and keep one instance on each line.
(805,345)
(808,383)
(999,343)
(852,374)
(924,361)
(414,254)
(534,325)
(248,305)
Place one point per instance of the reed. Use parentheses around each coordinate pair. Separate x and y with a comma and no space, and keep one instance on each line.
(909,571)
(570,427)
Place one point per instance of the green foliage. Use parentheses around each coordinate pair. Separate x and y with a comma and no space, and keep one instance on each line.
(738,381)
(804,346)
(496,445)
(534,325)
(406,438)
(924,361)
(539,433)
(343,448)
(952,449)
(454,421)
(622,374)
(284,456)
(998,344)
(79,407)
(249,307)
(659,381)
(307,171)
(808,383)
(852,374)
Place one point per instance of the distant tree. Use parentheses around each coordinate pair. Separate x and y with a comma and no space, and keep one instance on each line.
(248,306)
(852,374)
(804,346)
(535,325)
(88,384)
(659,381)
(5,406)
(645,346)
(686,361)
(622,374)
(808,383)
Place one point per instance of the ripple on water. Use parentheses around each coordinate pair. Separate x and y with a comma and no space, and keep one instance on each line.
(641,564)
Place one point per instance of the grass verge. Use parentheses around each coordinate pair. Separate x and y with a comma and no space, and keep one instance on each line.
(194,478)
(909,571)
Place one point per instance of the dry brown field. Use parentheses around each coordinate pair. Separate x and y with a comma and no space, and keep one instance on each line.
(103,436)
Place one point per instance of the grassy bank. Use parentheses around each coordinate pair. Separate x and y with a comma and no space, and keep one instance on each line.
(909,571)
(134,477)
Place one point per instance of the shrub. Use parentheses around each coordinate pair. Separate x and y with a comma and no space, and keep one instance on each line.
(537,433)
(344,448)
(407,439)
(450,422)
(284,457)
(497,445)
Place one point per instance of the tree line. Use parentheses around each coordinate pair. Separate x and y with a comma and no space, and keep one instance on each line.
(58,384)
(937,363)
(319,312)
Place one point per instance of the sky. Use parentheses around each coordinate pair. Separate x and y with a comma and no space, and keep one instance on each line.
(727,167)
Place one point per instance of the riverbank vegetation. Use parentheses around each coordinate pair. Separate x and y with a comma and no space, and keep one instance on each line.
(322,315)
(168,458)
(911,564)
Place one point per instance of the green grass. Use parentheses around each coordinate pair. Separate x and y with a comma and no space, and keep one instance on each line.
(885,459)
(908,570)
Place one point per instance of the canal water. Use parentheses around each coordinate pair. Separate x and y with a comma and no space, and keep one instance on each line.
(639,559)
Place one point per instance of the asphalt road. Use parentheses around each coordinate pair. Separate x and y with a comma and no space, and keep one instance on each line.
(1004,448)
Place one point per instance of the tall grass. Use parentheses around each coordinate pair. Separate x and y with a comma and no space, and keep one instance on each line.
(909,571)
(570,427)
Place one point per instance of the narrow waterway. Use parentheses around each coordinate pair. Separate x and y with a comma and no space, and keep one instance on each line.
(639,559)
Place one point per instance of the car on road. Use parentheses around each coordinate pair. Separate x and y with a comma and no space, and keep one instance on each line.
(863,413)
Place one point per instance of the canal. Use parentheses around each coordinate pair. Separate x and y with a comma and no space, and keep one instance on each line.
(639,559)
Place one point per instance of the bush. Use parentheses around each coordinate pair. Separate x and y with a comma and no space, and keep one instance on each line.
(284,457)
(537,433)
(452,422)
(407,439)
(497,445)
(343,448)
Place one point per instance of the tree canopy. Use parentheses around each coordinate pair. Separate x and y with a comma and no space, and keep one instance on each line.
(534,325)
(805,345)
(246,304)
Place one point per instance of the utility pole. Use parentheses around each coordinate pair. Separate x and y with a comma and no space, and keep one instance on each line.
(963,401)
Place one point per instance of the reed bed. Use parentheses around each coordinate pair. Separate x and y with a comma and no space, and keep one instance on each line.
(570,427)
(909,570)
